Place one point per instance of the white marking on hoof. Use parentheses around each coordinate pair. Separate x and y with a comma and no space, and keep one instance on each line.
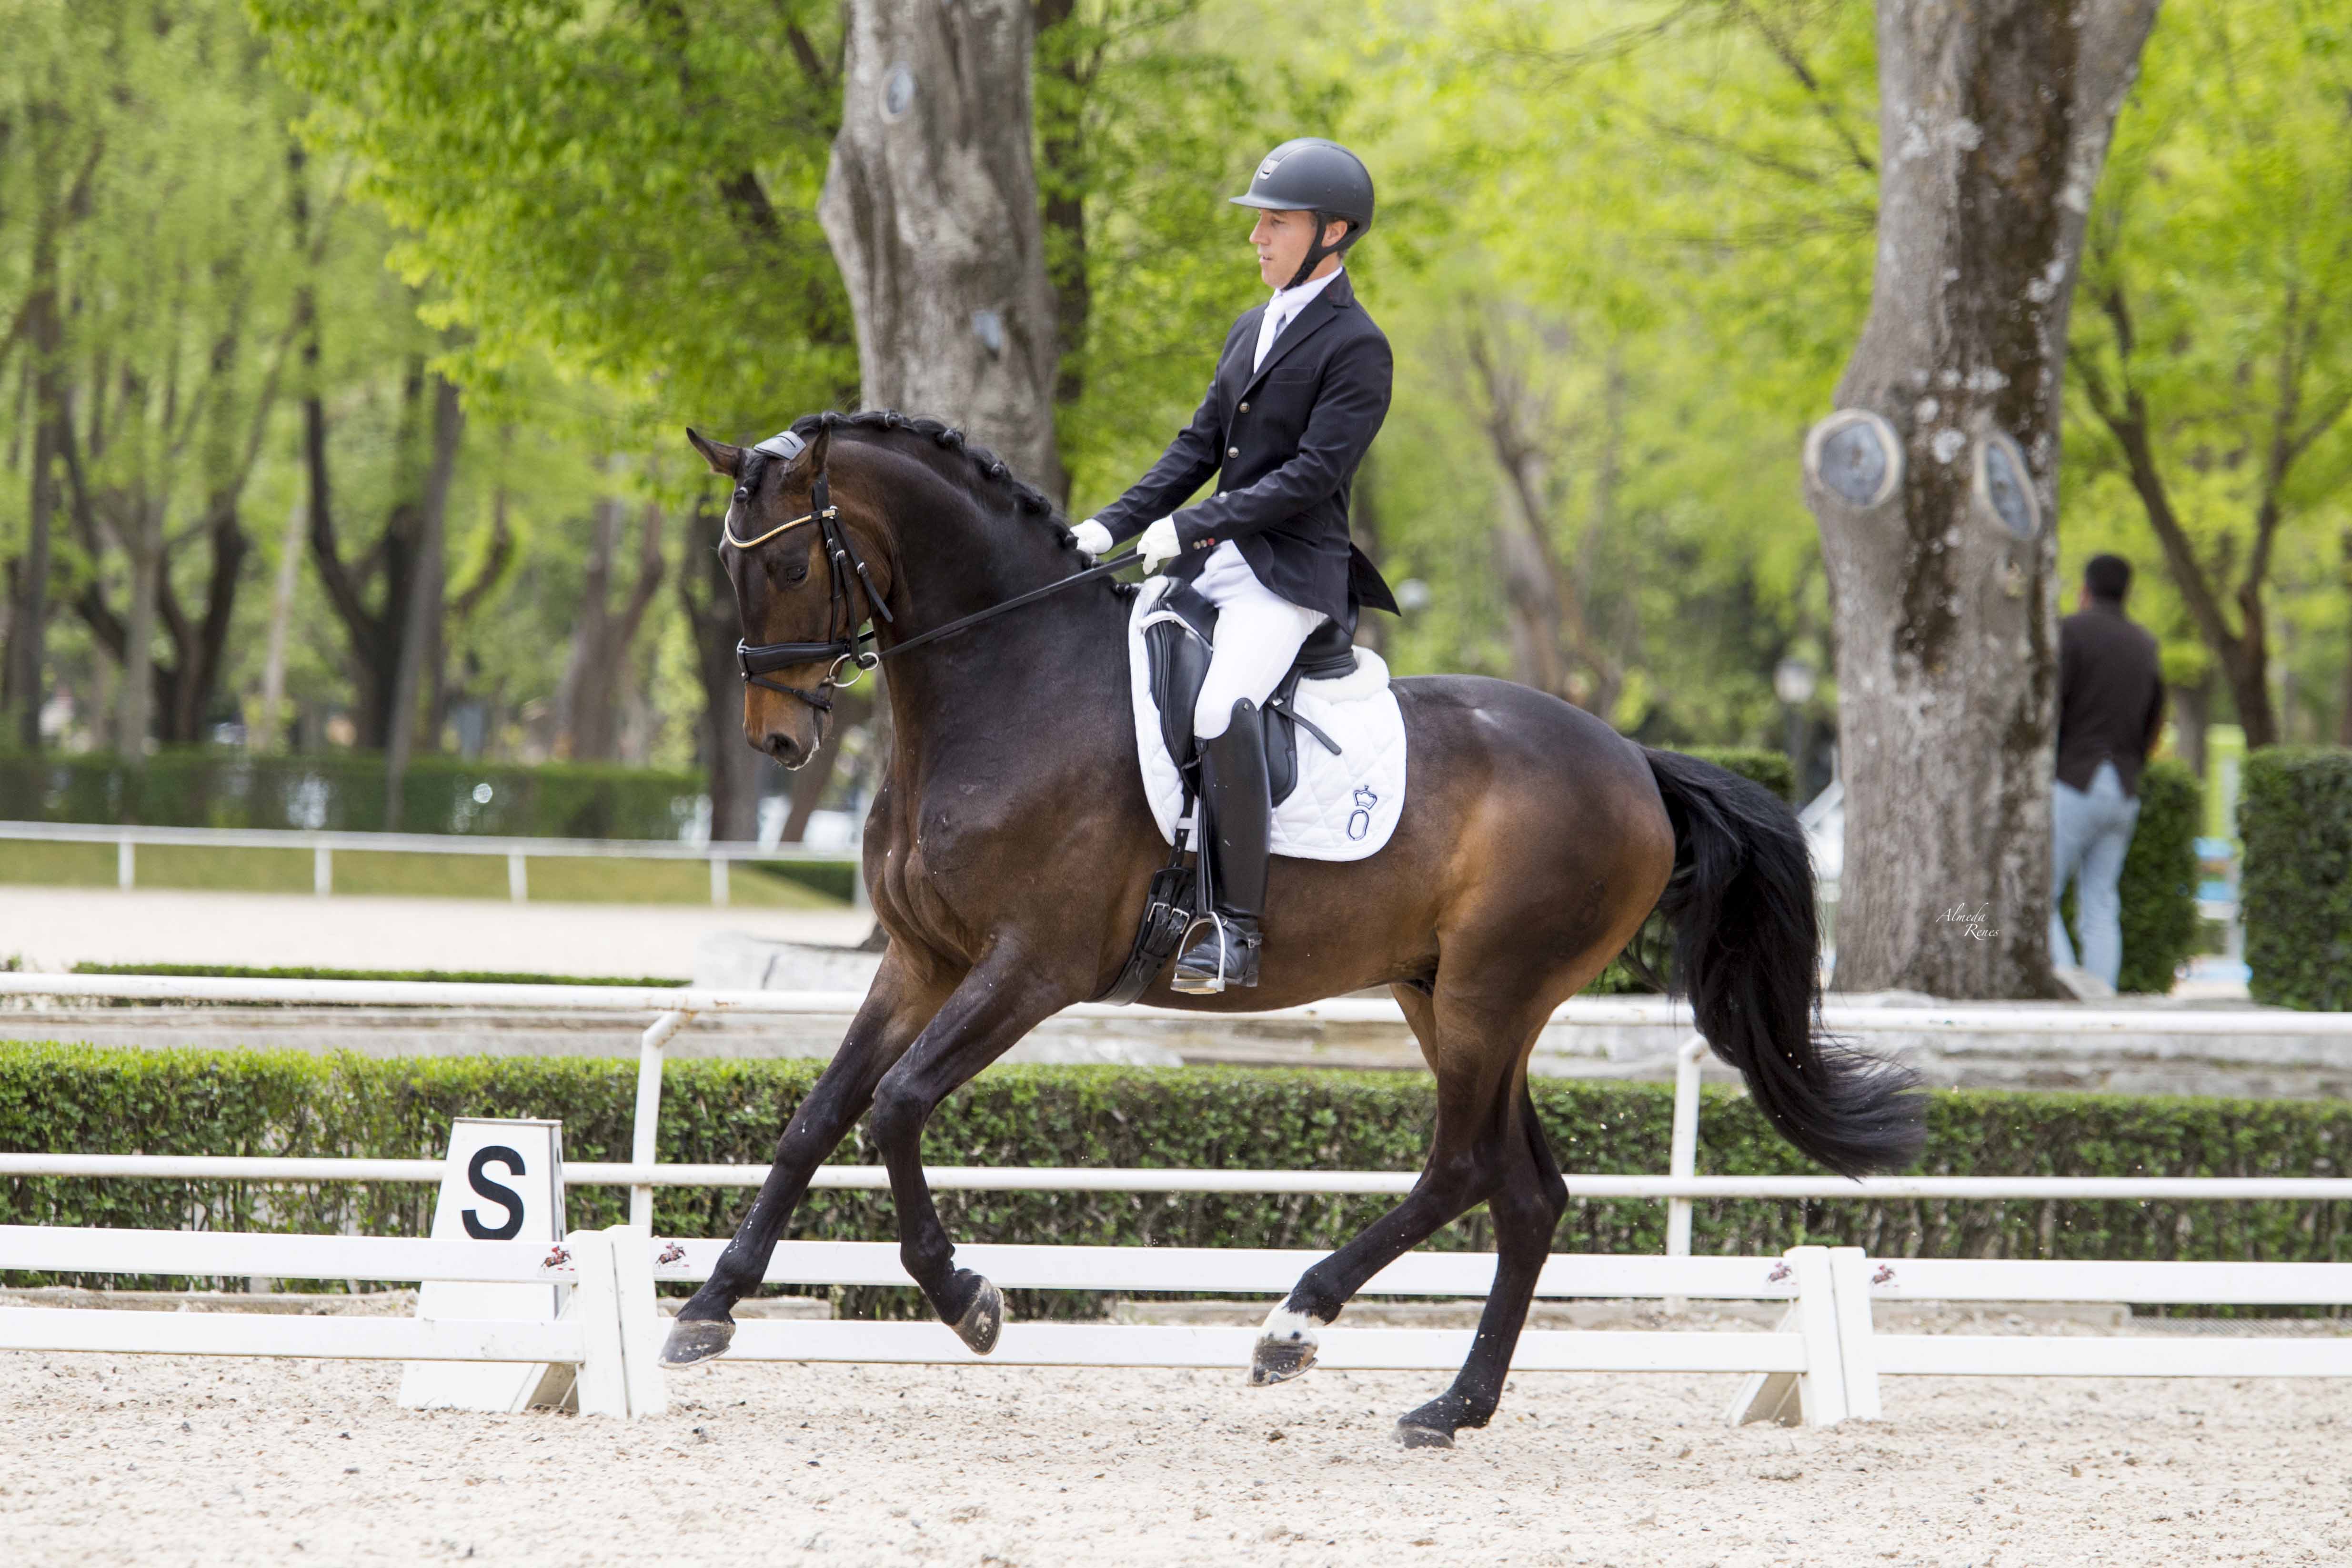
(1295,1327)
(1285,1349)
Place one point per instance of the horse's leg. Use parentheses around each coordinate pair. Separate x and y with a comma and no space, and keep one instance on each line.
(1527,1210)
(1467,1161)
(1000,1001)
(894,1012)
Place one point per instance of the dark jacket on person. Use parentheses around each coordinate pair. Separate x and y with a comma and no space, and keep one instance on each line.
(1284,441)
(2110,696)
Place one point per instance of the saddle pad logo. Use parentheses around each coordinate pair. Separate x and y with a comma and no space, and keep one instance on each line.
(1359,821)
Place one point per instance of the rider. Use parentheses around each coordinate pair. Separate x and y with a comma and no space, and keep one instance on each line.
(1301,387)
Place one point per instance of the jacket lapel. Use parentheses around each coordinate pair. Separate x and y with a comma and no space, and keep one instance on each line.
(1335,297)
(1234,374)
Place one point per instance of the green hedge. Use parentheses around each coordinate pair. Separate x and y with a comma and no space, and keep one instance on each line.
(2159,887)
(209,787)
(82,1099)
(2295,813)
(1769,769)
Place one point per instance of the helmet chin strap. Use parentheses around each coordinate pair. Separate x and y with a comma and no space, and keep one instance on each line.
(1319,250)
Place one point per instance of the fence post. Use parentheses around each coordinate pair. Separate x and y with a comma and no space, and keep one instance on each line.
(1821,1391)
(1682,1152)
(518,879)
(649,1089)
(322,870)
(602,1385)
(1849,1273)
(126,864)
(718,880)
(641,1328)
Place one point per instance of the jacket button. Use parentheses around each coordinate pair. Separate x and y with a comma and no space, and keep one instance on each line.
(1232,451)
(1244,408)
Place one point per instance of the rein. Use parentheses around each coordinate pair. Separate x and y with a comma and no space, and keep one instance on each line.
(755,661)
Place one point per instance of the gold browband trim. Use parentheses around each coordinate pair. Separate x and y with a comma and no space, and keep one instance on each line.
(748,543)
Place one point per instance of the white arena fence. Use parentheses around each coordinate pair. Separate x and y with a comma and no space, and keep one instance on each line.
(517,853)
(1821,1365)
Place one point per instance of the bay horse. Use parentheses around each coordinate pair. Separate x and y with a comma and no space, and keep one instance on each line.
(1009,848)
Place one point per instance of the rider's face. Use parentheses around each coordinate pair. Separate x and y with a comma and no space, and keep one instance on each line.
(1282,240)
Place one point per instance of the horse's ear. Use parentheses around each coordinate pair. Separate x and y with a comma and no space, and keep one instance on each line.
(722,457)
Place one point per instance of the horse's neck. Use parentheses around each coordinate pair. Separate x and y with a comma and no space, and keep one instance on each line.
(1046,673)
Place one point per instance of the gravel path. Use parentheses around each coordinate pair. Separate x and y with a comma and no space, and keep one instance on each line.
(114,1459)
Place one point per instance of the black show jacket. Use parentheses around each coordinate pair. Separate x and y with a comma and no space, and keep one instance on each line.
(1284,441)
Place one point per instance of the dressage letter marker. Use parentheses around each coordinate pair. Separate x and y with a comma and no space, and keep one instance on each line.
(503,1182)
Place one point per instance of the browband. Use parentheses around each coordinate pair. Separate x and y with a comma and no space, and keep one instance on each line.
(783,444)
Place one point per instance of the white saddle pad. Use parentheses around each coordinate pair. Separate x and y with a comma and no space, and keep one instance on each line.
(1344,807)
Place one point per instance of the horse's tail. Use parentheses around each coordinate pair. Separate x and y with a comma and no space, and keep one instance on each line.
(1745,948)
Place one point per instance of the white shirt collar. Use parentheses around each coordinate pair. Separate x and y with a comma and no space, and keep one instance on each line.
(1284,309)
(1288,303)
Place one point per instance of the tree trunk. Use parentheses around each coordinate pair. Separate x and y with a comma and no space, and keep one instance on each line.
(588,700)
(2191,711)
(709,600)
(930,204)
(416,666)
(21,688)
(266,723)
(145,546)
(1935,484)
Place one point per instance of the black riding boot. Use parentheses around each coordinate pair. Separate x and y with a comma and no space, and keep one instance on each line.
(1233,789)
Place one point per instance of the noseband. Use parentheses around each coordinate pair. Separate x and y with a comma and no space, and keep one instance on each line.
(845,645)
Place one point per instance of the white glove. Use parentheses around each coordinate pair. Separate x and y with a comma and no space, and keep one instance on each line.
(1091,537)
(1158,545)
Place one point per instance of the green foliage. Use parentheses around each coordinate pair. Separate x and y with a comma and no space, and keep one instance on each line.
(2294,812)
(626,191)
(344,791)
(2213,331)
(79,1098)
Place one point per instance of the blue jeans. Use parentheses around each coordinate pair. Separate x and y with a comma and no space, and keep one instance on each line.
(2090,831)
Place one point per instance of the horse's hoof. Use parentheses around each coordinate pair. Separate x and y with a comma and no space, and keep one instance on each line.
(1285,1349)
(983,1320)
(693,1341)
(1412,1436)
(1279,1360)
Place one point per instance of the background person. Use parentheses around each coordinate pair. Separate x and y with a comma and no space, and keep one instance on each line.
(2110,707)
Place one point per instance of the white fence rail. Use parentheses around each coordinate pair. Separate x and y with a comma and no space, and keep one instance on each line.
(322,845)
(1824,1364)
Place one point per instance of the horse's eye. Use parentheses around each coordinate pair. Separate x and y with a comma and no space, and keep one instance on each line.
(796,572)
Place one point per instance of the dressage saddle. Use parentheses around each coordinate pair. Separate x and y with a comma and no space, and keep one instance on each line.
(1177,637)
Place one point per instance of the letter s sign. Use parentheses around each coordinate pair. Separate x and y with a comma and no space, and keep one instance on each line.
(497,1192)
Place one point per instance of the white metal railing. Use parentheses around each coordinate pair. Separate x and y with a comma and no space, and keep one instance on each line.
(1679,1187)
(1822,1366)
(322,844)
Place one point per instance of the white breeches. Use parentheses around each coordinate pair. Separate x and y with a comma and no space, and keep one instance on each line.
(1259,634)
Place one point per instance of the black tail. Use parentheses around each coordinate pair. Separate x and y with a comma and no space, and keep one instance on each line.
(1747,949)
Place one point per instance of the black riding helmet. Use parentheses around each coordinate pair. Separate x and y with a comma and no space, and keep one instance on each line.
(1310,175)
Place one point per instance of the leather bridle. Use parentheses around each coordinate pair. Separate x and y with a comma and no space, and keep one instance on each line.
(844,644)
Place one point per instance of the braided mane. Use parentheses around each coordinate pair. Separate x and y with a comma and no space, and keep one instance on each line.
(1026,497)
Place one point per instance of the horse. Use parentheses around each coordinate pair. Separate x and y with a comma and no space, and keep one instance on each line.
(1010,845)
